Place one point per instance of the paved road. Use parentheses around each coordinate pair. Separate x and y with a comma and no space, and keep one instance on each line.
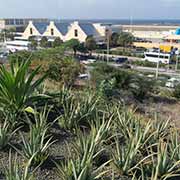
(149,69)
(116,56)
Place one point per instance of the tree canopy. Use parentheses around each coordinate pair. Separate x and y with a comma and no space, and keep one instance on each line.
(114,39)
(57,42)
(90,43)
(44,42)
(33,42)
(7,34)
(125,39)
(73,44)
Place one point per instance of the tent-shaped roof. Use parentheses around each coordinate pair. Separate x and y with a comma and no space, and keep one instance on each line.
(41,26)
(89,29)
(62,27)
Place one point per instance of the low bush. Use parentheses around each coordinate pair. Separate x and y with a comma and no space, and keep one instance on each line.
(78,112)
(15,170)
(176,92)
(86,148)
(36,146)
(147,64)
(118,80)
(65,71)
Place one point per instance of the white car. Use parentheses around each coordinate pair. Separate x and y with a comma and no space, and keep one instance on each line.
(172,83)
(83,76)
(89,61)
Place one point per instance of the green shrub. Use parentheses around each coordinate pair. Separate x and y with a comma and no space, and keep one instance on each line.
(141,87)
(147,64)
(65,71)
(15,170)
(86,148)
(131,82)
(78,112)
(17,87)
(6,133)
(36,146)
(160,164)
(176,92)
(20,56)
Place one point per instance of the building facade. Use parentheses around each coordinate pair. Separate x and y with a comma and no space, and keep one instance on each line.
(66,31)
(17,23)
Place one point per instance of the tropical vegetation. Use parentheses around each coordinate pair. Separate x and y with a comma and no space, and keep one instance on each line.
(52,128)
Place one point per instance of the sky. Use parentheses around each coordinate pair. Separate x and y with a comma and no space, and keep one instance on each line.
(90,9)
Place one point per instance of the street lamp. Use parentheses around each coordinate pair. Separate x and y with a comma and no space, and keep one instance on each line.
(108,40)
(177,59)
(157,68)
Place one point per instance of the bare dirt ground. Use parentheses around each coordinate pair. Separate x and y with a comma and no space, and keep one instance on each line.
(162,108)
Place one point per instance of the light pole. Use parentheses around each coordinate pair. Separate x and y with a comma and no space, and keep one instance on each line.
(157,68)
(108,46)
(108,41)
(177,59)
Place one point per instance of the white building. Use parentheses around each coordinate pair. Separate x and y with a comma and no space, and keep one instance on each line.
(66,31)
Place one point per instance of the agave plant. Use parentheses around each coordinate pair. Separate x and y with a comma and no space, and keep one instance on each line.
(87,109)
(77,112)
(68,119)
(41,123)
(36,146)
(174,145)
(16,172)
(125,156)
(17,86)
(126,123)
(162,128)
(131,126)
(6,134)
(160,165)
(86,148)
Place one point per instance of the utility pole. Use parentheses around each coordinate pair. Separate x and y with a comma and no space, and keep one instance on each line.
(108,47)
(177,60)
(108,41)
(157,68)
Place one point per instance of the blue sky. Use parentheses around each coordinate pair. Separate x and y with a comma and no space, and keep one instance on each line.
(91,9)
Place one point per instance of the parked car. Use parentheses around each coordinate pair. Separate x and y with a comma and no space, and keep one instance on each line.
(120,59)
(83,76)
(172,83)
(89,61)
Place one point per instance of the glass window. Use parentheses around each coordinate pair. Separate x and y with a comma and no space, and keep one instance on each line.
(76,33)
(31,31)
(157,56)
(52,32)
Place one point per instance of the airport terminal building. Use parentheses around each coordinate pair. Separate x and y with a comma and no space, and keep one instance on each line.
(67,31)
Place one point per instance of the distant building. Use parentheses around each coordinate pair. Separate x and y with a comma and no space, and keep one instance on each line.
(35,29)
(57,29)
(81,31)
(18,24)
(66,31)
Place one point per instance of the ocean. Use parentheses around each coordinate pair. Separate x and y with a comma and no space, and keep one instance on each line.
(169,22)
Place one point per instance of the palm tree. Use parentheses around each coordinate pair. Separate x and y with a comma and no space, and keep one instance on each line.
(125,39)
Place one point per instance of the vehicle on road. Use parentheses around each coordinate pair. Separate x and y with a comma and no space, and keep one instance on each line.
(172,83)
(155,56)
(120,59)
(83,76)
(17,45)
(89,61)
